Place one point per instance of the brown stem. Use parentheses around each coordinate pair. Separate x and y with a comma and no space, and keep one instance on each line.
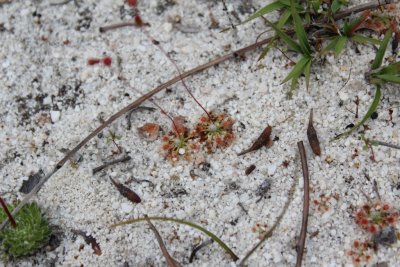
(7,212)
(357,9)
(306,204)
(171,262)
(129,107)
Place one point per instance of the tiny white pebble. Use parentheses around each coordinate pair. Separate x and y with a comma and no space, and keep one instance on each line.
(55,115)
(181,151)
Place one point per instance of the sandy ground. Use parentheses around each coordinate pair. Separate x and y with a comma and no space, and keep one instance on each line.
(51,98)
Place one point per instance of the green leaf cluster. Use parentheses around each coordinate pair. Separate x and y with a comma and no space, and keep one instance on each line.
(32,231)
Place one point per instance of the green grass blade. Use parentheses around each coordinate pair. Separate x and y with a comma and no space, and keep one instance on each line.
(284,18)
(265,10)
(371,110)
(389,78)
(381,51)
(300,32)
(297,69)
(307,71)
(393,68)
(331,46)
(286,38)
(193,225)
(266,49)
(340,45)
(365,40)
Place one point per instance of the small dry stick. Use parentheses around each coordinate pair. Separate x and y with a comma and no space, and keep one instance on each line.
(123,159)
(170,261)
(197,248)
(7,212)
(360,8)
(312,136)
(306,204)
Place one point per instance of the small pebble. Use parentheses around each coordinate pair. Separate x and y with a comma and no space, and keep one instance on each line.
(55,115)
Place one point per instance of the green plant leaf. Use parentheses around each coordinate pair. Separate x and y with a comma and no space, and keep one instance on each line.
(340,45)
(307,71)
(316,4)
(266,49)
(193,225)
(265,10)
(284,18)
(389,78)
(364,39)
(300,31)
(382,49)
(372,109)
(286,38)
(297,69)
(336,5)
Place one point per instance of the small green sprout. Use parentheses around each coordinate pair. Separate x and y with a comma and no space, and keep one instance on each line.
(31,233)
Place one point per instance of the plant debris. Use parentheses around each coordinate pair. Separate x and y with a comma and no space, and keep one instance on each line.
(90,240)
(101,167)
(312,136)
(198,247)
(170,261)
(149,131)
(33,180)
(126,192)
(263,140)
(250,169)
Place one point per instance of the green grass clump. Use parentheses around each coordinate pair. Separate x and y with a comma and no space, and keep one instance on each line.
(32,232)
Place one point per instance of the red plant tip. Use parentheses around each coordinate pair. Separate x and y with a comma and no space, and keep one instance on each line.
(132,2)
(386,207)
(107,61)
(138,21)
(356,244)
(360,214)
(372,229)
(93,61)
(366,207)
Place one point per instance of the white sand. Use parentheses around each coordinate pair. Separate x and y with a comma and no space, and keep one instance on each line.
(37,62)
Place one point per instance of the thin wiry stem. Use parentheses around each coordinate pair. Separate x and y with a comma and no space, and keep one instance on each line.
(306,204)
(7,212)
(156,43)
(170,261)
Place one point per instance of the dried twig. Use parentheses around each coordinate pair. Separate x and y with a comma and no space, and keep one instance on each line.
(197,248)
(360,8)
(170,261)
(123,159)
(7,212)
(129,107)
(306,204)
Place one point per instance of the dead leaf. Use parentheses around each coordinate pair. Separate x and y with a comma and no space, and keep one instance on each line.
(126,192)
(90,240)
(149,131)
(33,180)
(312,136)
(263,140)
